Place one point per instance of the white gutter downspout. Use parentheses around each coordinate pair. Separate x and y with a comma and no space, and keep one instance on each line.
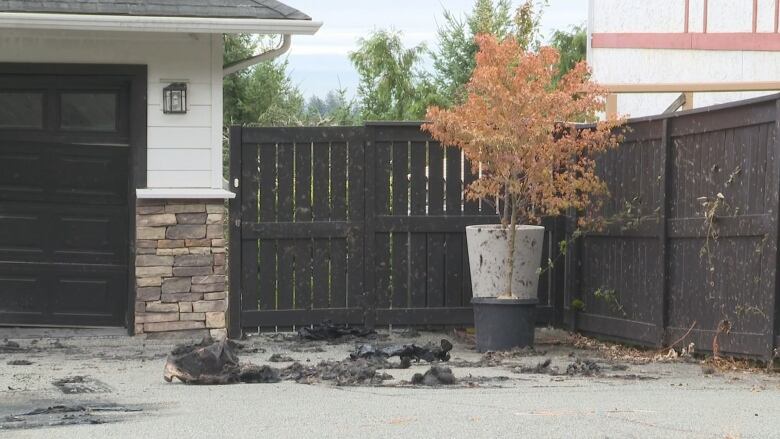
(231,68)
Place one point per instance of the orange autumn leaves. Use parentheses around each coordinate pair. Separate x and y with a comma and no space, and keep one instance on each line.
(519,124)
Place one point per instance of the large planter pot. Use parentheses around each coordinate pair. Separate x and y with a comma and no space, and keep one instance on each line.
(489,260)
(503,324)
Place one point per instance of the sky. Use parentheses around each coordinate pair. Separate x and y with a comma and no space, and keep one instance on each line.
(320,63)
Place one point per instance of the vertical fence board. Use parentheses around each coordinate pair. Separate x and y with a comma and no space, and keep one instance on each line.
(382,261)
(321,277)
(662,305)
(435,179)
(303,213)
(285,247)
(400,241)
(470,207)
(383,271)
(267,258)
(338,247)
(434,259)
(249,212)
(360,190)
(418,248)
(453,242)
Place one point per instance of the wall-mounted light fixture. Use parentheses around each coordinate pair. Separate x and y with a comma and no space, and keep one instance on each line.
(175,98)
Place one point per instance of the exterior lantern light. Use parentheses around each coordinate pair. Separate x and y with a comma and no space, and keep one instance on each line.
(175,98)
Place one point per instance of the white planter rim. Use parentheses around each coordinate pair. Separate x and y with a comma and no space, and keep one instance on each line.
(501,227)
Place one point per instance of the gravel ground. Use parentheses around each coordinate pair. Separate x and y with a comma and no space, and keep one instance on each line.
(112,386)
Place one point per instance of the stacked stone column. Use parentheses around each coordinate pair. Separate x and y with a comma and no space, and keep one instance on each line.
(180,267)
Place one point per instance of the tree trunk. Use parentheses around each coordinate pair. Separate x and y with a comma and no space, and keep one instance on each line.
(505,214)
(512,236)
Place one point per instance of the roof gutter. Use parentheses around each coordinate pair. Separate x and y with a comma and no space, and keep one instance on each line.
(135,23)
(233,67)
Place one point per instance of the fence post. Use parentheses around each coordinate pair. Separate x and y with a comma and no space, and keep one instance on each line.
(662,314)
(369,234)
(773,163)
(234,246)
(558,286)
(572,270)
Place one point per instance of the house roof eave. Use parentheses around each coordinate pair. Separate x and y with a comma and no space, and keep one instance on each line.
(124,23)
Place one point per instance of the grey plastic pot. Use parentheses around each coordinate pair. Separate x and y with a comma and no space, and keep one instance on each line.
(503,324)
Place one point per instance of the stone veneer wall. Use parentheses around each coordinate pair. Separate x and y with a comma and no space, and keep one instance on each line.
(180,267)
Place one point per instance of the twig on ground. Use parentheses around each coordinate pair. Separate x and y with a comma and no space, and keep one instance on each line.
(724,327)
(680,340)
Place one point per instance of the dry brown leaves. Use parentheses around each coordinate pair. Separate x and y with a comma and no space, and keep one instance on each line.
(614,351)
(618,352)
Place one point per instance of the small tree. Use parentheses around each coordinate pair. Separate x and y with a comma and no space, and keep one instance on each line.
(392,85)
(514,129)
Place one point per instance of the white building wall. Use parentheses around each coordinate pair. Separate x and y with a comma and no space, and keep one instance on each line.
(667,66)
(184,151)
(653,66)
(637,16)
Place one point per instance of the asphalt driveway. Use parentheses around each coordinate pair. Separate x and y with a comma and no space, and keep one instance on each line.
(112,386)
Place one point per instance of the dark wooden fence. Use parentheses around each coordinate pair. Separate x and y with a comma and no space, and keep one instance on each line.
(365,225)
(662,267)
(360,225)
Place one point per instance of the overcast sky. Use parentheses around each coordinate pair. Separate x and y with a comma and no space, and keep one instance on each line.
(319,63)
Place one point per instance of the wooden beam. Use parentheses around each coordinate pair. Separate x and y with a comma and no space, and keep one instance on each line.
(755,16)
(688,104)
(612,105)
(679,102)
(777,14)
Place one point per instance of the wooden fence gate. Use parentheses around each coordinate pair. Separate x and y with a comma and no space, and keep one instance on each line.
(361,225)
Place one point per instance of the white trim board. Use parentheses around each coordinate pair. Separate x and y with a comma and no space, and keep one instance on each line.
(188,194)
(23,20)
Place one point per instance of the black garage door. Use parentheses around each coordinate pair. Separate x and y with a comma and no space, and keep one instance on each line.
(64,217)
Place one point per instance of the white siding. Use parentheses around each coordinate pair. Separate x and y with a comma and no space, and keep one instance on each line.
(639,16)
(184,151)
(696,16)
(729,16)
(766,16)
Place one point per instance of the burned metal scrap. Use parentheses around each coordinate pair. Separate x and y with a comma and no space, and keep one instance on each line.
(342,373)
(210,362)
(207,362)
(435,376)
(430,352)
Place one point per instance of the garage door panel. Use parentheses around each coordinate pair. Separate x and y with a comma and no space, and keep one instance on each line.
(98,237)
(88,296)
(21,294)
(72,234)
(21,173)
(90,175)
(19,237)
(58,294)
